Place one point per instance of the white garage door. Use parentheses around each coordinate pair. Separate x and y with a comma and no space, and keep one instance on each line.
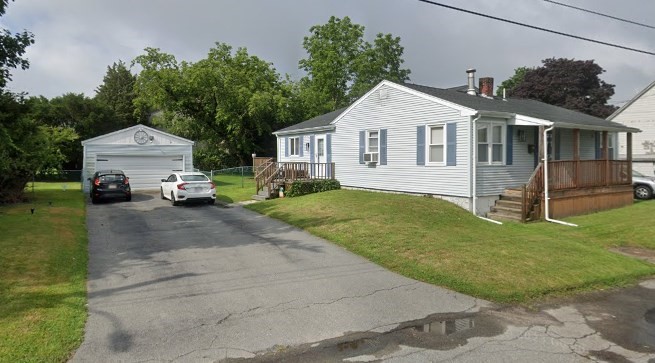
(145,172)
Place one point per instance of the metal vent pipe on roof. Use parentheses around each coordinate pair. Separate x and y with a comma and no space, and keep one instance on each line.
(471,81)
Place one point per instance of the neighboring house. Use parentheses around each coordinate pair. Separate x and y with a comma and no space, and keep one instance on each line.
(146,155)
(467,148)
(639,112)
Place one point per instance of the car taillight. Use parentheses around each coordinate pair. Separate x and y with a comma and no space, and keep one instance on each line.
(212,185)
(96,182)
(182,186)
(126,181)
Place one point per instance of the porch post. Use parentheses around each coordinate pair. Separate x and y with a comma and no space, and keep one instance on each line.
(605,157)
(576,155)
(628,155)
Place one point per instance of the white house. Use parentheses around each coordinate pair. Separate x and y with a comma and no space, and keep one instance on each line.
(145,154)
(463,146)
(639,112)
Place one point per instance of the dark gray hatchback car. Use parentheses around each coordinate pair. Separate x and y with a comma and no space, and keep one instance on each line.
(109,184)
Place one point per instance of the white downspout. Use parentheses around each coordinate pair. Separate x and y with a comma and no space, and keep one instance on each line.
(546,197)
(474,162)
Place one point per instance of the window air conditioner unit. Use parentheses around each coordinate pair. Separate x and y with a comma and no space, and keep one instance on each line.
(370,158)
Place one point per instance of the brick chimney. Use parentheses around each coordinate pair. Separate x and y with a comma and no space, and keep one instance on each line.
(487,86)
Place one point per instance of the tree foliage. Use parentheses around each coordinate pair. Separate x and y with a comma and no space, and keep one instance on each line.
(117,93)
(230,101)
(569,83)
(26,145)
(12,49)
(341,66)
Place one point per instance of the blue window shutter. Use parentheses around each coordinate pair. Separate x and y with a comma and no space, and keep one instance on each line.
(558,137)
(311,149)
(597,144)
(362,146)
(286,147)
(383,146)
(328,148)
(420,145)
(451,144)
(509,151)
(301,142)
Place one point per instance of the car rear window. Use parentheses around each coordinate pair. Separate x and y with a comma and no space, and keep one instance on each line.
(194,178)
(108,178)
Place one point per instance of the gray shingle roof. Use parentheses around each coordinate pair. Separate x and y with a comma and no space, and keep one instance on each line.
(458,95)
(524,107)
(318,121)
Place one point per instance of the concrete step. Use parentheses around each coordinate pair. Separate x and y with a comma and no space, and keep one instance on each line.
(259,197)
(513,192)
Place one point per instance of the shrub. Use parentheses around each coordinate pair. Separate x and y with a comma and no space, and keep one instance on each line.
(299,188)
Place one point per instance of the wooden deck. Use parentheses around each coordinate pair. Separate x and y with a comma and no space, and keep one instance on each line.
(578,187)
(270,174)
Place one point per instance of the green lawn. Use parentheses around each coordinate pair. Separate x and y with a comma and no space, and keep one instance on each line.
(43,268)
(434,241)
(233,188)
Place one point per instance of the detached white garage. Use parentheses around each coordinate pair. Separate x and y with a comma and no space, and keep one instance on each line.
(146,155)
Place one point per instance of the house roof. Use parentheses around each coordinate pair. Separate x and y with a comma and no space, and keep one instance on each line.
(321,121)
(457,97)
(635,98)
(137,127)
(558,115)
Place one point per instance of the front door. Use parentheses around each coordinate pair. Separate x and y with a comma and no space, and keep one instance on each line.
(319,167)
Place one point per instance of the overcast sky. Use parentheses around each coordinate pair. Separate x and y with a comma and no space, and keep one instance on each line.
(77,39)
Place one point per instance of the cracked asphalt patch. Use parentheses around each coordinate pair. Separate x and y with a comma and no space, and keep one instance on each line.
(208,284)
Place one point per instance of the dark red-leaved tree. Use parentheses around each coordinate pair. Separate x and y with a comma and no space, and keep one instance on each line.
(569,83)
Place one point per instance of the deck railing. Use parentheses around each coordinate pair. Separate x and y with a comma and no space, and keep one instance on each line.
(573,174)
(291,171)
(532,191)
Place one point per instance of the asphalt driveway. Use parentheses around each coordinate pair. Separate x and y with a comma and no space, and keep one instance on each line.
(205,283)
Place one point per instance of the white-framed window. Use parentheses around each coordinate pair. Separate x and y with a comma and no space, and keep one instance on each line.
(491,143)
(373,141)
(294,146)
(436,141)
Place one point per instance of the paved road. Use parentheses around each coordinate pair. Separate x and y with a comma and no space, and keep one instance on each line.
(201,283)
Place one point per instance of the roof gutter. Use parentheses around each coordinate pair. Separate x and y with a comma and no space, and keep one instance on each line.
(300,131)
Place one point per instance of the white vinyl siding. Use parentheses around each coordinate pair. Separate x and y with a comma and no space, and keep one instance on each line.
(640,114)
(400,113)
(145,164)
(305,144)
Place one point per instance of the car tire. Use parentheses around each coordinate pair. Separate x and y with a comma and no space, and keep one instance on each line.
(161,192)
(211,201)
(173,201)
(94,200)
(643,192)
(128,198)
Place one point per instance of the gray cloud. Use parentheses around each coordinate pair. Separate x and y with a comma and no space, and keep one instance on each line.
(76,40)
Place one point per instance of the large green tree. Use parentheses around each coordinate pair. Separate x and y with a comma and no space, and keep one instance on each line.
(88,117)
(117,92)
(341,66)
(229,102)
(569,83)
(26,145)
(12,49)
